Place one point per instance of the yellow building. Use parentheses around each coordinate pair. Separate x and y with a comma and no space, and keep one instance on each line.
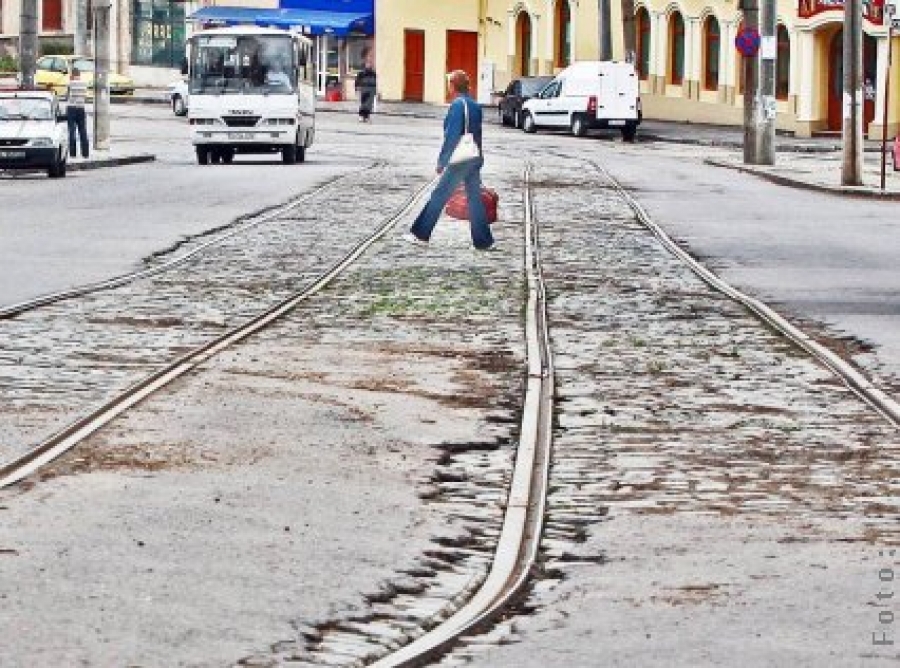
(691,71)
(417,42)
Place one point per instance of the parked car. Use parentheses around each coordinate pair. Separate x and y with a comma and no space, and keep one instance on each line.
(178,95)
(587,95)
(52,73)
(33,132)
(515,95)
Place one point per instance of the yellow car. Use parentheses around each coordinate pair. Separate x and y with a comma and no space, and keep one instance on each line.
(52,73)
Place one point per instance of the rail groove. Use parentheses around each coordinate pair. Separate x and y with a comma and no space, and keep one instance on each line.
(45,452)
(519,540)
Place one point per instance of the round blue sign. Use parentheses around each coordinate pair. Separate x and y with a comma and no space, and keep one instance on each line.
(747,42)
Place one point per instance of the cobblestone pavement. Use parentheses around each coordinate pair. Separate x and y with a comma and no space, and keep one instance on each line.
(699,459)
(317,493)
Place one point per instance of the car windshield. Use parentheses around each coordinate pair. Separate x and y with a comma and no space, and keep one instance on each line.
(534,86)
(25,109)
(83,64)
(242,64)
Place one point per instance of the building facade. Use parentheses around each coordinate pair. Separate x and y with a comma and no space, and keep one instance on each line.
(493,40)
(691,71)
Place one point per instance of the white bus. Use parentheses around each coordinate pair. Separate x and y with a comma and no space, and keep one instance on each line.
(251,91)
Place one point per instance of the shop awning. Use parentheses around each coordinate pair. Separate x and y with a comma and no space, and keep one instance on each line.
(305,21)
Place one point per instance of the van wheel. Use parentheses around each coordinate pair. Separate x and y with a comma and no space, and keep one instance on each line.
(528,123)
(58,169)
(579,125)
(289,154)
(629,132)
(228,156)
(179,108)
(202,155)
(301,154)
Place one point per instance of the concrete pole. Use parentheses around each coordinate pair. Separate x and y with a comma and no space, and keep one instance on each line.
(766,138)
(851,126)
(80,45)
(605,28)
(28,42)
(101,77)
(751,89)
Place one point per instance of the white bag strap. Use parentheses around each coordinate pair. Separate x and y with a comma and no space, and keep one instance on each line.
(466,113)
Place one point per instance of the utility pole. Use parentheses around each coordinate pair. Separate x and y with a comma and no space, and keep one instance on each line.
(604,15)
(28,42)
(80,45)
(751,87)
(851,126)
(766,138)
(101,76)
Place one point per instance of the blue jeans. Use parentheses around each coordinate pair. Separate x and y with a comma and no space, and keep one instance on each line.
(76,120)
(470,172)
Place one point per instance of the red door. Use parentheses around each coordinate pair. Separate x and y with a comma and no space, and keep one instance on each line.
(836,80)
(462,54)
(414,49)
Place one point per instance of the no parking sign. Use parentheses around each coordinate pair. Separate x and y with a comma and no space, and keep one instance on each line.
(747,42)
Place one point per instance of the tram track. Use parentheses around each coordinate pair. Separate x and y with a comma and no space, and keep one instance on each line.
(51,448)
(241,226)
(855,380)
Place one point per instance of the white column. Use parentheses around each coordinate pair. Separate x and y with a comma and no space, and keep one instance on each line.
(658,44)
(549,15)
(880,79)
(803,74)
(692,54)
(726,54)
(511,32)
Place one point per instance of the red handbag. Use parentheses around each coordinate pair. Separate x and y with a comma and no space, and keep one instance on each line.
(458,204)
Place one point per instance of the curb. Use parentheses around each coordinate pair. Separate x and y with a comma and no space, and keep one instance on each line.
(841,191)
(110,162)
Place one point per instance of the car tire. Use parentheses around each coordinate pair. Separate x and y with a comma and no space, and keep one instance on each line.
(289,154)
(58,169)
(301,154)
(202,155)
(228,156)
(578,125)
(528,124)
(629,132)
(504,121)
(179,108)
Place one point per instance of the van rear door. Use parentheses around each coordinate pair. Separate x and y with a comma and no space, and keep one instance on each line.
(619,92)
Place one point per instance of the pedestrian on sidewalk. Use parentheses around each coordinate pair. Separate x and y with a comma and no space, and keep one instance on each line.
(76,119)
(366,88)
(463,116)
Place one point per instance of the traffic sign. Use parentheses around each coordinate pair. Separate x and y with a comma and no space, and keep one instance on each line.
(747,42)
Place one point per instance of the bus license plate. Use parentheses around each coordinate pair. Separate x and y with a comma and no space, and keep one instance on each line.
(241,135)
(12,154)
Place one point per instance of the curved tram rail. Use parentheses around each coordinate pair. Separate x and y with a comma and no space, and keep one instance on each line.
(45,452)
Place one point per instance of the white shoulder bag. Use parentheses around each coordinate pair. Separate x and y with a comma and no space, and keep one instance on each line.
(466,149)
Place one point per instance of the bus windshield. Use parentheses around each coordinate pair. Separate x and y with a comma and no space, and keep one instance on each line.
(242,64)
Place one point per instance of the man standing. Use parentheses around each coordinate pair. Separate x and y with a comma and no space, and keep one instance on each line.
(75,116)
(463,117)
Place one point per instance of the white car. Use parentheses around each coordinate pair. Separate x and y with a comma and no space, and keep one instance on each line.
(178,94)
(33,132)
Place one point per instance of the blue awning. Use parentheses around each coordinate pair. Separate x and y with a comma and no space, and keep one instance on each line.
(305,21)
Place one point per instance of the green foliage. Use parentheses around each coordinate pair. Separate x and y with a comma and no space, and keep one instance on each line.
(55,47)
(9,64)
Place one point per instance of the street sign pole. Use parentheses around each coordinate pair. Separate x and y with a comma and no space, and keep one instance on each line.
(851,125)
(750,64)
(889,10)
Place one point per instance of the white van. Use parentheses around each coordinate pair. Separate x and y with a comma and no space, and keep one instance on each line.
(585,95)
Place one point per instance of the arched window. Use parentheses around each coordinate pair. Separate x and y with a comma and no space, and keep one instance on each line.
(642,48)
(711,45)
(783,64)
(523,43)
(563,34)
(676,49)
